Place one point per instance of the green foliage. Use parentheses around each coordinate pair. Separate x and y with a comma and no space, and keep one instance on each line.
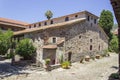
(5,41)
(25,48)
(106,21)
(47,61)
(114,75)
(114,44)
(49,14)
(105,53)
(8,56)
(65,64)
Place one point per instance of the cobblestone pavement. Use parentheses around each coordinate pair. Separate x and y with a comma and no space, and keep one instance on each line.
(93,70)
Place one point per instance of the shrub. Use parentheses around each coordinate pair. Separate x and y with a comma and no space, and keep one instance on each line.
(113,45)
(5,41)
(25,49)
(8,56)
(47,61)
(65,65)
(105,53)
(114,75)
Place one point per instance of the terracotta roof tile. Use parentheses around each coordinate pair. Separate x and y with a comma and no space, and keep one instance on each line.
(59,42)
(50,46)
(13,21)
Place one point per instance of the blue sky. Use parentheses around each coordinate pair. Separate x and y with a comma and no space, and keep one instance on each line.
(33,10)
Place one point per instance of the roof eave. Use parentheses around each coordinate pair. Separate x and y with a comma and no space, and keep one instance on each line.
(57,25)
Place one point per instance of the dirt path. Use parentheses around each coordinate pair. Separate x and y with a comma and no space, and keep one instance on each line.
(93,70)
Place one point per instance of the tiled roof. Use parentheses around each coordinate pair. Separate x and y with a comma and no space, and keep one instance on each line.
(82,12)
(50,46)
(59,42)
(49,26)
(13,21)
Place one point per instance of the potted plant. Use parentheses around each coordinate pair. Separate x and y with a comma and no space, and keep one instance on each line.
(93,57)
(47,63)
(87,58)
(97,56)
(65,65)
(81,60)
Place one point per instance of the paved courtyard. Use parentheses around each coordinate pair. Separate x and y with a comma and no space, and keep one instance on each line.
(93,70)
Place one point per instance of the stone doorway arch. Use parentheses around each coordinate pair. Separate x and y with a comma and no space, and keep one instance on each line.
(70,56)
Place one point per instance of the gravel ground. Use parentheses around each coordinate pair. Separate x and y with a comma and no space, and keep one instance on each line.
(93,70)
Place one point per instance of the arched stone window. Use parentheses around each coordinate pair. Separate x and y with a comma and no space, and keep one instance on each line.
(34,25)
(67,19)
(54,39)
(76,16)
(45,23)
(99,48)
(91,40)
(39,24)
(69,56)
(51,22)
(90,47)
(30,26)
(88,18)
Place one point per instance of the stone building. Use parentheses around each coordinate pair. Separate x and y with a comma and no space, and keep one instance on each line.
(68,37)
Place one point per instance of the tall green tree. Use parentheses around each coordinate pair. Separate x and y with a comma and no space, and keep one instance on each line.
(5,41)
(114,44)
(25,49)
(48,14)
(106,22)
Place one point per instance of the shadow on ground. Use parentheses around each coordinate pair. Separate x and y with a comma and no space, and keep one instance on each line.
(114,76)
(7,70)
(2,58)
(115,67)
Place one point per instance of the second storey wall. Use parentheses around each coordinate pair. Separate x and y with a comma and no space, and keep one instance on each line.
(80,39)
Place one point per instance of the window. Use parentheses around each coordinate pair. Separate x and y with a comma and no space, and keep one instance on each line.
(91,18)
(90,47)
(29,26)
(88,18)
(67,19)
(45,23)
(51,22)
(91,40)
(54,40)
(2,28)
(39,24)
(95,21)
(34,25)
(76,16)
(12,29)
(80,37)
(99,48)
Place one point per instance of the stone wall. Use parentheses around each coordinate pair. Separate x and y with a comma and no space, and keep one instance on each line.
(78,39)
(84,38)
(57,20)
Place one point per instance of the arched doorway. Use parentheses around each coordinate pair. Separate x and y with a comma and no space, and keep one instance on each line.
(69,56)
